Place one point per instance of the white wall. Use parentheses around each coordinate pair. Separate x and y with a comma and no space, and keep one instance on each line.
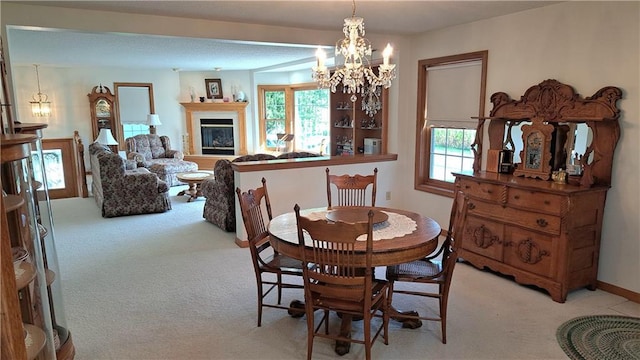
(585,44)
(68,88)
(588,45)
(306,187)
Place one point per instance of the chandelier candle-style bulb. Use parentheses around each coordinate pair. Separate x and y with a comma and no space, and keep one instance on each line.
(386,54)
(321,56)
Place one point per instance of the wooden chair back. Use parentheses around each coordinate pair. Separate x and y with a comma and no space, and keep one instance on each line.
(457,219)
(254,204)
(333,274)
(255,222)
(351,190)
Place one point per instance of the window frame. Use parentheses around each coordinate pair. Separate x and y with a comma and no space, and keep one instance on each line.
(289,91)
(262,112)
(422,179)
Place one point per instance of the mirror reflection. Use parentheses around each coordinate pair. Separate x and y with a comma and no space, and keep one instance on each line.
(573,139)
(134,102)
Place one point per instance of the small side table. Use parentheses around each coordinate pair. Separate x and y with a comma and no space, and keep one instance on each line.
(194,179)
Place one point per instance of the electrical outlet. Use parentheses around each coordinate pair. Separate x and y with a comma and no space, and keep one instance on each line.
(388,195)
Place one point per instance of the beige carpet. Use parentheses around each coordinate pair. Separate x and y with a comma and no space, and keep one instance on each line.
(173,286)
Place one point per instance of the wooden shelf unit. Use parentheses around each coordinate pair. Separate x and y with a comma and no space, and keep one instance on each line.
(350,124)
(29,291)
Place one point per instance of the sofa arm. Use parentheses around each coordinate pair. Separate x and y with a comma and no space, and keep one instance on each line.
(176,154)
(143,184)
(210,187)
(138,158)
(130,164)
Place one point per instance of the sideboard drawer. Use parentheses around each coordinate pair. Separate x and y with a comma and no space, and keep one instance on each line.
(537,201)
(545,223)
(481,190)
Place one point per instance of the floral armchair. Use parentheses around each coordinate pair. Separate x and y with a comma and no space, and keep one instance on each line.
(120,188)
(220,206)
(154,153)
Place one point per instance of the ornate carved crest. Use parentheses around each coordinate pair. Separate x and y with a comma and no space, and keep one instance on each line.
(552,102)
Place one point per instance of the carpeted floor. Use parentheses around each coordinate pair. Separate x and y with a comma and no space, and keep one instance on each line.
(601,337)
(173,286)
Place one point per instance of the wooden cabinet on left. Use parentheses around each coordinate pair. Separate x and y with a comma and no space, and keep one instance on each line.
(33,320)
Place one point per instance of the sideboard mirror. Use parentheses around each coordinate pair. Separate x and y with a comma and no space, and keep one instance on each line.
(551,127)
(576,139)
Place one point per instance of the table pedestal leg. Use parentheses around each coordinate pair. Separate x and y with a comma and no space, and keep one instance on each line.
(293,309)
(400,316)
(343,347)
(193,191)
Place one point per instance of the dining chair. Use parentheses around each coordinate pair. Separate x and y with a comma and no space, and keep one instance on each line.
(434,269)
(351,189)
(333,282)
(267,262)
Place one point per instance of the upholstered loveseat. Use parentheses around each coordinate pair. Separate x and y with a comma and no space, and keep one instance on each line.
(220,206)
(154,153)
(121,188)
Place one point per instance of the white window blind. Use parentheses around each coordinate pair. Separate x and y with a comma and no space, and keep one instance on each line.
(133,105)
(453,93)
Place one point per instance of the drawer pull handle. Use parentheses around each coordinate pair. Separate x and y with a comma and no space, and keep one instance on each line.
(489,191)
(547,202)
(517,197)
(471,206)
(542,222)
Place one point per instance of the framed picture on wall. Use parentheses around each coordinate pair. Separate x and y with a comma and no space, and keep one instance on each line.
(214,88)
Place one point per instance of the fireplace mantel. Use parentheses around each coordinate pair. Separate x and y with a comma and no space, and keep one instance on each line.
(238,107)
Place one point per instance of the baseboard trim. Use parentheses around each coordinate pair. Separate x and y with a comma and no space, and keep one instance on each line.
(242,243)
(616,290)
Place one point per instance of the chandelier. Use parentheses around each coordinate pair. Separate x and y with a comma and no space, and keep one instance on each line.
(355,74)
(40,106)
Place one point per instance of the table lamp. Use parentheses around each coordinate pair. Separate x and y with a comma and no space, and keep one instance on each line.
(153,120)
(106,138)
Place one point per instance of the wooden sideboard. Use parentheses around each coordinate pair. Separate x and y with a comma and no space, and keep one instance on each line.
(540,232)
(521,223)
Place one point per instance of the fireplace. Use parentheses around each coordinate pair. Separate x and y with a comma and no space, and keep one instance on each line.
(196,111)
(217,136)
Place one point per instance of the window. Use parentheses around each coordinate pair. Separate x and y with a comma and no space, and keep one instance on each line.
(311,119)
(130,130)
(451,90)
(301,110)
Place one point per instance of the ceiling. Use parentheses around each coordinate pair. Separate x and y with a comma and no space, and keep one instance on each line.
(393,17)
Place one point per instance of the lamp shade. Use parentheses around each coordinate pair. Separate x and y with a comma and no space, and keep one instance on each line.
(106,138)
(153,120)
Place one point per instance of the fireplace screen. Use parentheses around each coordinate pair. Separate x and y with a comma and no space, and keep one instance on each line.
(217,136)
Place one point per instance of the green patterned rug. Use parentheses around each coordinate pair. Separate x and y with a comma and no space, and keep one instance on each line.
(600,337)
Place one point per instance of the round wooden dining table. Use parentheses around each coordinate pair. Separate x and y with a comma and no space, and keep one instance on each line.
(403,236)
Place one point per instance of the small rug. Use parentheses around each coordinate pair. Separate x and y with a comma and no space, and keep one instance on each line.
(600,337)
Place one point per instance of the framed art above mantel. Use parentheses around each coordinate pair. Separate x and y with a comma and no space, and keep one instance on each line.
(214,88)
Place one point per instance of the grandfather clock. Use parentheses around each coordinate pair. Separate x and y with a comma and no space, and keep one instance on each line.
(102,105)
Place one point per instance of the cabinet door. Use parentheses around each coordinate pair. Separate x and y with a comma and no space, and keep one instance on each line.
(530,251)
(483,237)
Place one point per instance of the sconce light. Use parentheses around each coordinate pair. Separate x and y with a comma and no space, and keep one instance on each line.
(40,106)
(153,120)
